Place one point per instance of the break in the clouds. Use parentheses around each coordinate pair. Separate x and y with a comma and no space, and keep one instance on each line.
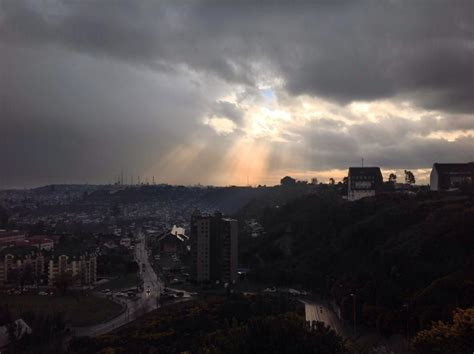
(214,91)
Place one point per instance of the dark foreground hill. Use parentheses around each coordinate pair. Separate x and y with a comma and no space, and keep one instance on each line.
(407,259)
(232,325)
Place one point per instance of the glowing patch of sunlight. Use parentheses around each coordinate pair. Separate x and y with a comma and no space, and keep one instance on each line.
(247,158)
(221,126)
(452,135)
(377,110)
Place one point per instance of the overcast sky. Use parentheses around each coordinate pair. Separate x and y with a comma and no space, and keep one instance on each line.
(218,92)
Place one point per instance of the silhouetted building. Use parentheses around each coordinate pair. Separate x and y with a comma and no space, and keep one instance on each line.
(287,181)
(214,242)
(363,182)
(445,176)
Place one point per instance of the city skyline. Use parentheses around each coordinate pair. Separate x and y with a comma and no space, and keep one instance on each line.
(220,93)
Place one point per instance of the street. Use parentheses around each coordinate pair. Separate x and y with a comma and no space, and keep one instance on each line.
(145,302)
(322,313)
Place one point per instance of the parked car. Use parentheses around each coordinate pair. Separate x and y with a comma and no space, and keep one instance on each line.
(43,293)
(270,290)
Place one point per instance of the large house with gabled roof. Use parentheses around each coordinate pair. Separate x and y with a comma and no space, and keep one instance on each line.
(363,182)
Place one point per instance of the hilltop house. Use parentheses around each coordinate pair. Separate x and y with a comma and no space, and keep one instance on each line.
(446,176)
(363,182)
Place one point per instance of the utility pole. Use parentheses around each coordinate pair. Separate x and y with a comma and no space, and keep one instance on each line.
(354,313)
(362,159)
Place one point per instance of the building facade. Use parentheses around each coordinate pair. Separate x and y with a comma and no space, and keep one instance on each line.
(12,262)
(83,269)
(11,236)
(43,270)
(174,241)
(446,176)
(214,248)
(363,182)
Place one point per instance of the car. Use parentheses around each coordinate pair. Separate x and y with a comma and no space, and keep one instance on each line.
(270,290)
(43,293)
(294,292)
(109,294)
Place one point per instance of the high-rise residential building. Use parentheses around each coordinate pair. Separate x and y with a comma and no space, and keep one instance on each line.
(214,248)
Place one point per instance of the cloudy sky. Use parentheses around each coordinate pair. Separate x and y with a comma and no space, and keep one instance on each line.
(215,92)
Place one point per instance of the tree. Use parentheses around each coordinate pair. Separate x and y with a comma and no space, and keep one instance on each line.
(393,178)
(314,181)
(455,337)
(115,210)
(285,333)
(287,181)
(409,177)
(3,217)
(332,181)
(64,280)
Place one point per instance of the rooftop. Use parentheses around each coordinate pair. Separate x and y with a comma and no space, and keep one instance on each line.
(467,167)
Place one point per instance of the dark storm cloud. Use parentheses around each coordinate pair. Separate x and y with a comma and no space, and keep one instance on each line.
(342,50)
(67,119)
(90,87)
(392,142)
(227,110)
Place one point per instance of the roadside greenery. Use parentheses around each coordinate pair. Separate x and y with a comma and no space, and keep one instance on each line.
(235,324)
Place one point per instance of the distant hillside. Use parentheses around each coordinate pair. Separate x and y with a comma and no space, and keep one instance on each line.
(391,251)
(228,200)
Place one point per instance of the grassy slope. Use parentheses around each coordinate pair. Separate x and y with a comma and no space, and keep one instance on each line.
(78,310)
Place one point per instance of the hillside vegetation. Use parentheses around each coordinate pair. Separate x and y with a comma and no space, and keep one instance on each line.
(408,259)
(219,325)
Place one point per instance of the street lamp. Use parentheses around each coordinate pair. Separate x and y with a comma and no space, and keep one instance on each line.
(354,313)
(405,305)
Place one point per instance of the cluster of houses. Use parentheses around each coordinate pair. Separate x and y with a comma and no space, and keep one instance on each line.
(368,181)
(34,258)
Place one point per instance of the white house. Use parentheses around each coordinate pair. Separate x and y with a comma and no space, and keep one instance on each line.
(446,176)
